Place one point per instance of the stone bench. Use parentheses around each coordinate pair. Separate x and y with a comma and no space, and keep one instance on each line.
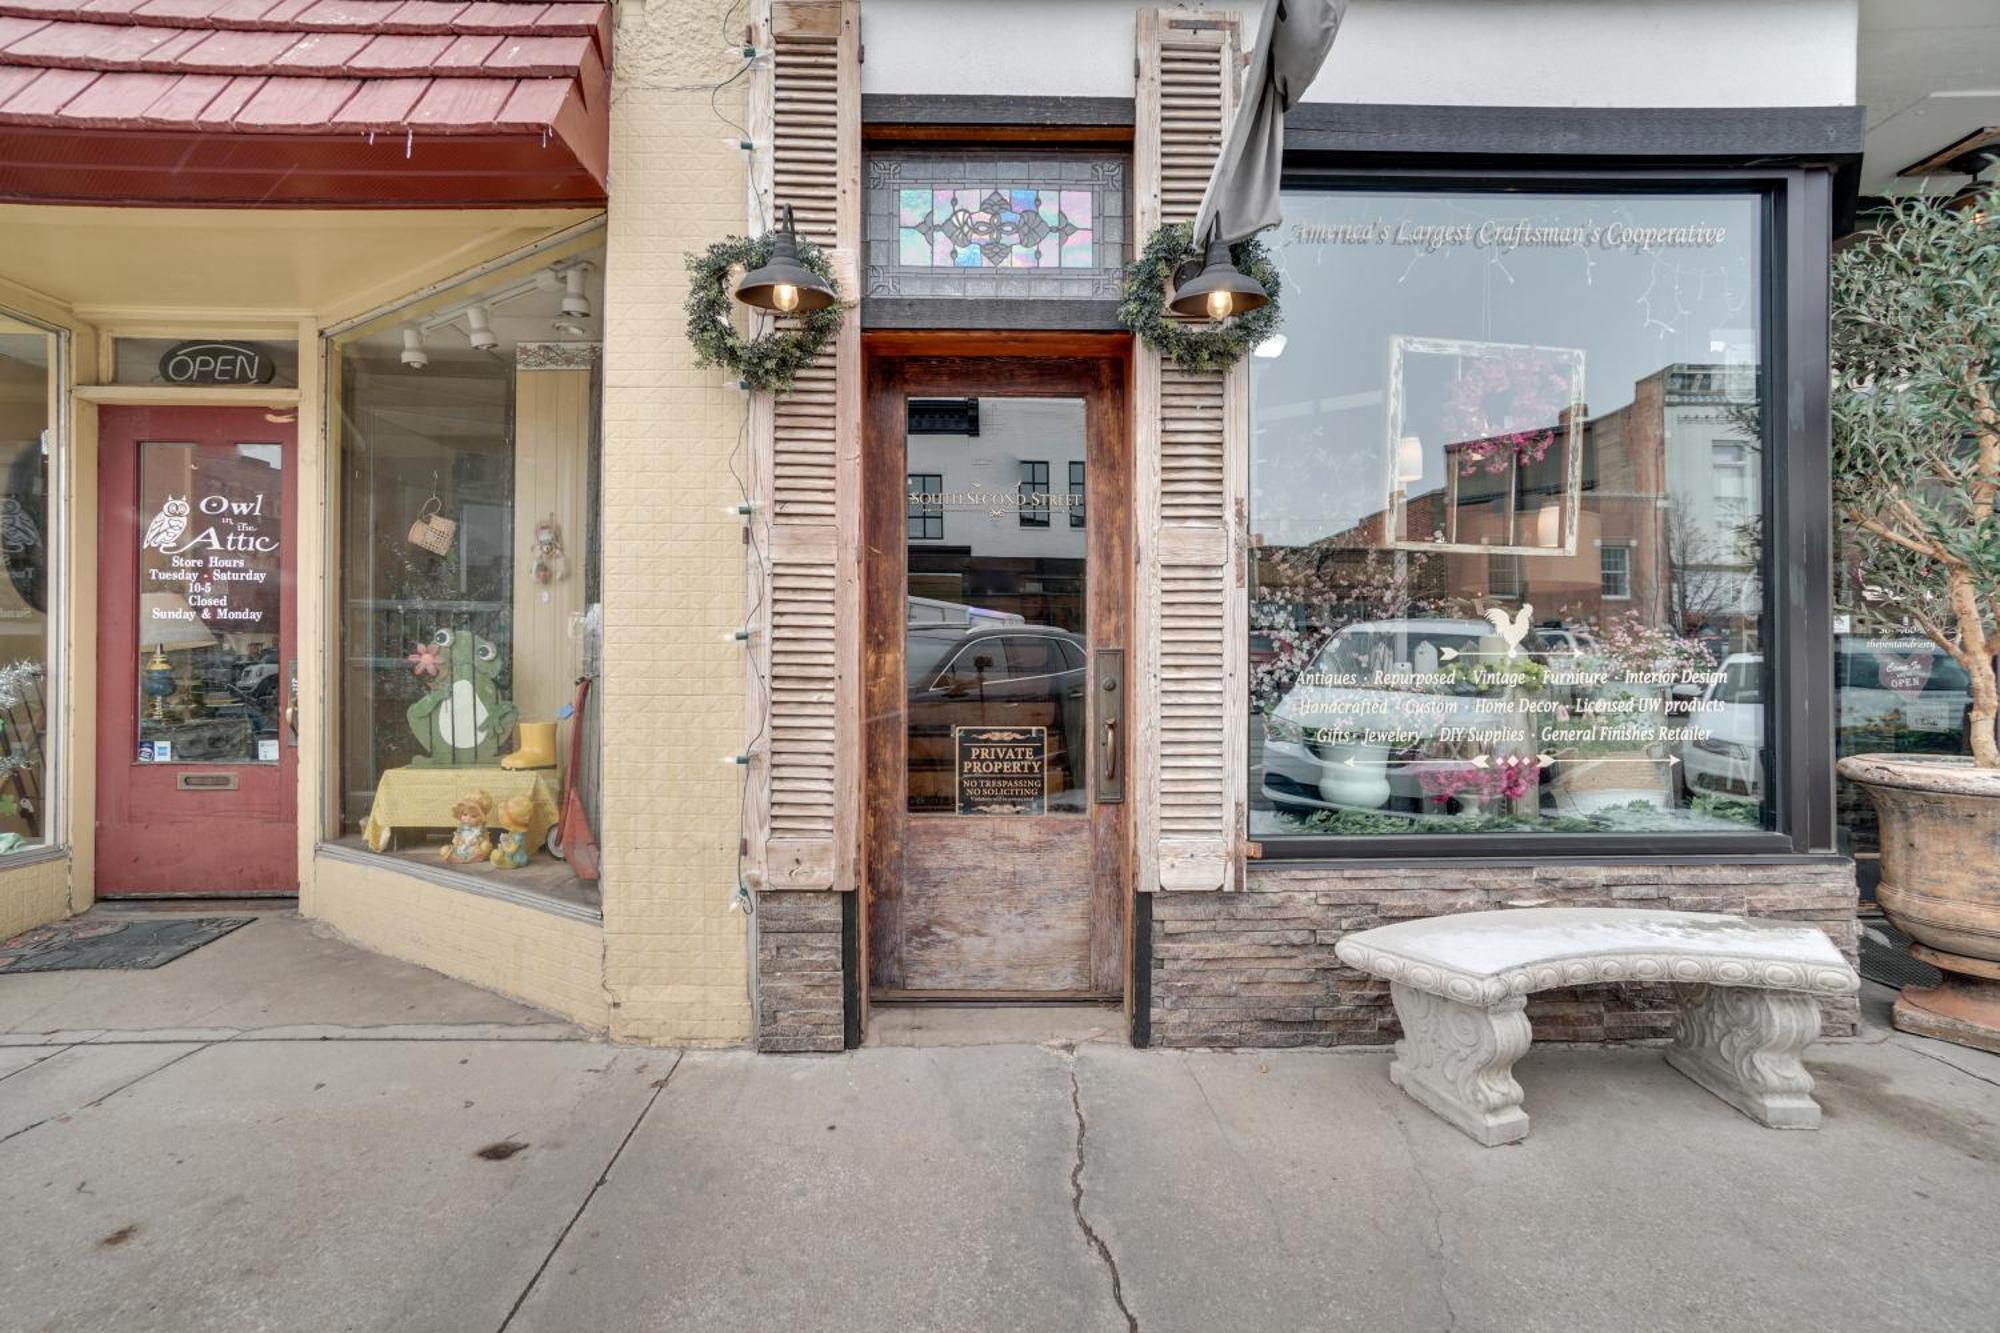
(1460,984)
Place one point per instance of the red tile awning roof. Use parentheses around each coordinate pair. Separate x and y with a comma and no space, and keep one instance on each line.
(303,102)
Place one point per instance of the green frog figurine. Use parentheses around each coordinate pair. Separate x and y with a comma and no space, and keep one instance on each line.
(463,720)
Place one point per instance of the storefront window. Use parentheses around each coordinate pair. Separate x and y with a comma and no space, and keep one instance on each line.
(470,583)
(1508,485)
(27,441)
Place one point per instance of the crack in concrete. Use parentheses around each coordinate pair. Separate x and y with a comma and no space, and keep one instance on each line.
(1437,1221)
(1948,1064)
(534,1280)
(1090,1236)
(99,1101)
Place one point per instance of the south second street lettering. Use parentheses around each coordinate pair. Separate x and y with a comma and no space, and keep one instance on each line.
(1001,770)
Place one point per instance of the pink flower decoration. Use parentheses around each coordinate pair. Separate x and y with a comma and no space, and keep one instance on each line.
(424,661)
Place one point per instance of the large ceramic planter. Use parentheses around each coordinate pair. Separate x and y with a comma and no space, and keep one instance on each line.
(1940,886)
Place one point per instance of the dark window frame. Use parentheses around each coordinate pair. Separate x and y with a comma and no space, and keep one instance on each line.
(1034,516)
(925,515)
(1797,561)
(1077,494)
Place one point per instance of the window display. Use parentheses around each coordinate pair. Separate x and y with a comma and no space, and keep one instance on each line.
(27,441)
(469,545)
(1507,493)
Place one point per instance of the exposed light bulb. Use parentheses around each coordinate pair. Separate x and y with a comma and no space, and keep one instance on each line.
(1220,304)
(478,331)
(785,297)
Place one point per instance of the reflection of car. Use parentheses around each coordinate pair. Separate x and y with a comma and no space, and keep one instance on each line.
(994,675)
(1338,740)
(1727,760)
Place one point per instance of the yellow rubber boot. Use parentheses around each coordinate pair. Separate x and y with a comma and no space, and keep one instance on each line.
(538,747)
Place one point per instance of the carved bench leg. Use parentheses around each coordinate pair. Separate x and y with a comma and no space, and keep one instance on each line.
(1458,1059)
(1743,1045)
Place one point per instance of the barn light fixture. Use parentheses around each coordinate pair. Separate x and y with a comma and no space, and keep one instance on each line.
(1219,290)
(782,284)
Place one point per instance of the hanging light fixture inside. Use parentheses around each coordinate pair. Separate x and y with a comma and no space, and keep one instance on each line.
(1219,291)
(414,355)
(782,284)
(478,331)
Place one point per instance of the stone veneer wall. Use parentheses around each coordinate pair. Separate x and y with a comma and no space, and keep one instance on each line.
(1257,968)
(799,996)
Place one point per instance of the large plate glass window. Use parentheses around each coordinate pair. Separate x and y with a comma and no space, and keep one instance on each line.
(1508,478)
(28,395)
(469,539)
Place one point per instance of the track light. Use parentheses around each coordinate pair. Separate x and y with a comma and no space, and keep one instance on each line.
(414,355)
(574,302)
(477,329)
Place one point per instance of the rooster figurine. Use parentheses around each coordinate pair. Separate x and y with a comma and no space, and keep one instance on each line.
(1511,629)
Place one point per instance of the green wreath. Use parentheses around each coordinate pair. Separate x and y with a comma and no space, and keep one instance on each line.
(773,361)
(1195,345)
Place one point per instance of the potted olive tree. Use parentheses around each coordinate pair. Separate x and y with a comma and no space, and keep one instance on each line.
(1916,458)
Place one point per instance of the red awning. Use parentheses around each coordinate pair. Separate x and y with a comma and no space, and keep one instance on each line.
(304,102)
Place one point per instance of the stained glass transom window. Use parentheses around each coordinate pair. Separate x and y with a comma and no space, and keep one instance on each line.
(963,225)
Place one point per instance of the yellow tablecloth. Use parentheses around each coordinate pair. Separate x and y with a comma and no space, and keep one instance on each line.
(423,798)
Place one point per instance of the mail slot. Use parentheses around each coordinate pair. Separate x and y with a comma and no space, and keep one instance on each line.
(204,782)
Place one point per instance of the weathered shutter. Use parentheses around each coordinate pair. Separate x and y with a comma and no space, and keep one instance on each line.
(1193,435)
(805,461)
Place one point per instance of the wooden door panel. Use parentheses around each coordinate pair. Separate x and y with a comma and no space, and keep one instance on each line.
(996,904)
(1003,904)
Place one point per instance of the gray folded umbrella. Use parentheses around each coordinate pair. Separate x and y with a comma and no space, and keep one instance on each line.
(1292,42)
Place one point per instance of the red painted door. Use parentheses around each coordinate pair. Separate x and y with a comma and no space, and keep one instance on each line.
(197,759)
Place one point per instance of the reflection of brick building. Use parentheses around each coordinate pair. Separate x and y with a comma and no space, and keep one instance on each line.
(1669,485)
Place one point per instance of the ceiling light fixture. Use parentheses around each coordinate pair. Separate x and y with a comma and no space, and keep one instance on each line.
(414,355)
(478,331)
(574,301)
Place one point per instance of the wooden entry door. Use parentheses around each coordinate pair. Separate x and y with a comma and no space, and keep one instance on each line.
(197,765)
(998,584)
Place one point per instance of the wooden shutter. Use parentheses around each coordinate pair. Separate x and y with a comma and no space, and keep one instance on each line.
(1193,439)
(805,465)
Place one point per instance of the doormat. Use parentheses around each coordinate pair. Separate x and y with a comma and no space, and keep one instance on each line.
(85,943)
(1885,957)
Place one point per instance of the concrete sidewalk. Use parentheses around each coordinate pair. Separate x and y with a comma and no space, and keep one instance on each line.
(433,1169)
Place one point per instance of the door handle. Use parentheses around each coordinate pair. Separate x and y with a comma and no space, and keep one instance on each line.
(292,702)
(1110,708)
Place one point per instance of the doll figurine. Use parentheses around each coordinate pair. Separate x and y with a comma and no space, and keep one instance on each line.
(470,843)
(512,853)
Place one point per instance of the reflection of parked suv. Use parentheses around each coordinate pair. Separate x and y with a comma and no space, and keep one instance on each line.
(1727,760)
(997,675)
(1317,754)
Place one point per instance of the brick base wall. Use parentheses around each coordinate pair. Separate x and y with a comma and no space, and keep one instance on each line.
(1257,968)
(799,993)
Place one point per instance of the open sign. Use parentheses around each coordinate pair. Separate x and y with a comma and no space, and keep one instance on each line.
(217,363)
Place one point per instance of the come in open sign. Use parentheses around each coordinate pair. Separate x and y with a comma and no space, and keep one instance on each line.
(217,363)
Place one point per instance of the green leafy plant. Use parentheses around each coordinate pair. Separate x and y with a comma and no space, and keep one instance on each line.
(1195,345)
(774,360)
(1916,432)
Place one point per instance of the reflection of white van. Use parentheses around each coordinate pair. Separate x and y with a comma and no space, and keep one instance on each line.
(1728,760)
(933,611)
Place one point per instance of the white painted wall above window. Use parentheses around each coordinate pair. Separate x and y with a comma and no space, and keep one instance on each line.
(1670,53)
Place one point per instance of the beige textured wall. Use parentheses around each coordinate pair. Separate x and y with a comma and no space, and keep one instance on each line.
(676,957)
(551,962)
(33,895)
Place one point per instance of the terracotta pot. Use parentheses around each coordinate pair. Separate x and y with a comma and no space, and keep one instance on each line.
(1940,885)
